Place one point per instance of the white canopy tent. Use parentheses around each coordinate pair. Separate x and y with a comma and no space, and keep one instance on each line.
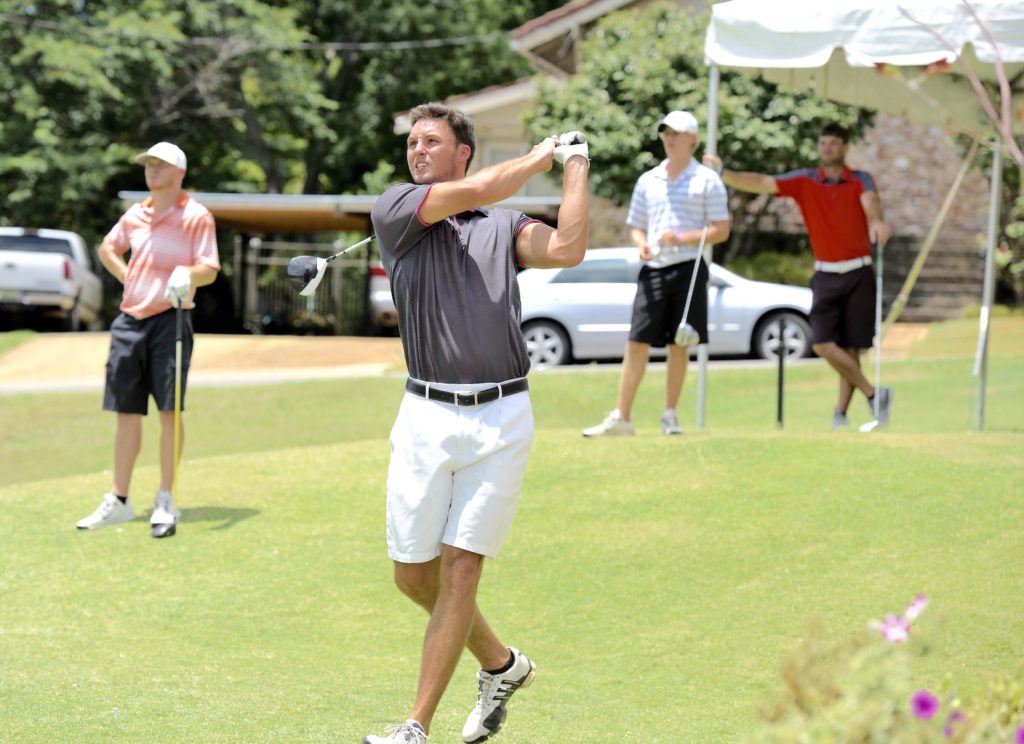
(870,53)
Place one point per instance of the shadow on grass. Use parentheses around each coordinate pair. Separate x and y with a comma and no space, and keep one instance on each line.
(229,516)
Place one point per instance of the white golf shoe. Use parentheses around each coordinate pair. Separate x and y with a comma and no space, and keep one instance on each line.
(670,423)
(110,511)
(612,426)
(493,692)
(163,509)
(409,732)
(839,421)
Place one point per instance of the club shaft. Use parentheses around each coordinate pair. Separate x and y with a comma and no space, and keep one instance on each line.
(360,244)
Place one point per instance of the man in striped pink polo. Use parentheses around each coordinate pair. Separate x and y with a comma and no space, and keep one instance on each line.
(173,247)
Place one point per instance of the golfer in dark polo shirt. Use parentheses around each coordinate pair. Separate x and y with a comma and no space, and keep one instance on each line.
(461,440)
(843,215)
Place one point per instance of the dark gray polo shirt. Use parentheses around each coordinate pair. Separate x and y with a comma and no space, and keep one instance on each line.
(455,289)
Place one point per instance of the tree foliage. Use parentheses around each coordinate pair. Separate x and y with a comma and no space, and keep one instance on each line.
(246,87)
(640,63)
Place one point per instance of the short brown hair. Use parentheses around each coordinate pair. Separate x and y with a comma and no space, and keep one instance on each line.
(835,129)
(462,126)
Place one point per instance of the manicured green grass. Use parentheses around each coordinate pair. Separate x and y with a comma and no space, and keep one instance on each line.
(10,339)
(656,581)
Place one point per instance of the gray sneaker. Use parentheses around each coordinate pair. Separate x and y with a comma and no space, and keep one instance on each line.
(839,421)
(670,424)
(884,396)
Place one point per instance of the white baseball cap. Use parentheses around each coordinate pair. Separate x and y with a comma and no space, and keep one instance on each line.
(165,151)
(679,121)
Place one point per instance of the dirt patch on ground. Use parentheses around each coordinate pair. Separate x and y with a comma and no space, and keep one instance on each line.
(72,356)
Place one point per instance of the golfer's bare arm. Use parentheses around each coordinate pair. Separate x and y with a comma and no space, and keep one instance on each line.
(486,186)
(112,259)
(878,229)
(543,247)
(755,183)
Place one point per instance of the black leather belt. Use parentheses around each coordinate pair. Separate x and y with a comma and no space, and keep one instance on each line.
(467,399)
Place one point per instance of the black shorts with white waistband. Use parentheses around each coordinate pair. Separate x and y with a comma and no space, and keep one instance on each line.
(661,300)
(843,308)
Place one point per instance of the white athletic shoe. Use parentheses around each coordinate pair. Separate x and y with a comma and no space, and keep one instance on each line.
(839,421)
(163,509)
(409,732)
(670,424)
(493,692)
(612,426)
(110,511)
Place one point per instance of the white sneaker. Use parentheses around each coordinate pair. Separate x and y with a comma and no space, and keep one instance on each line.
(670,424)
(110,511)
(163,509)
(839,421)
(493,692)
(613,426)
(409,732)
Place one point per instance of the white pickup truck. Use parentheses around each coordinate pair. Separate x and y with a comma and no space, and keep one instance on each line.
(48,273)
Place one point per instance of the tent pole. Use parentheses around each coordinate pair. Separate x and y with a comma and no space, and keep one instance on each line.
(989,287)
(711,148)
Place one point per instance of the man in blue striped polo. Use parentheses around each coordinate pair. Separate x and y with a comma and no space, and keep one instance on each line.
(672,203)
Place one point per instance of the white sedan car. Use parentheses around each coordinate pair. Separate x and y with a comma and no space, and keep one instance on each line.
(584,312)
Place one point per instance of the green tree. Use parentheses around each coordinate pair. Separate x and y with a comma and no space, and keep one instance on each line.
(638,64)
(86,85)
(369,85)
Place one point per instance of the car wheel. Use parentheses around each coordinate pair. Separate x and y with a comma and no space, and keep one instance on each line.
(797,341)
(547,344)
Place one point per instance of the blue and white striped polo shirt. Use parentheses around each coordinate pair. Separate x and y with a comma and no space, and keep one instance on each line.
(694,199)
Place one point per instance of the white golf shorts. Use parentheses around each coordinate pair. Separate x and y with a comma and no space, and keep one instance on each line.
(455,473)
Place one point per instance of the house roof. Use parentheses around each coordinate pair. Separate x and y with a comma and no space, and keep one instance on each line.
(484,99)
(557,22)
(263,213)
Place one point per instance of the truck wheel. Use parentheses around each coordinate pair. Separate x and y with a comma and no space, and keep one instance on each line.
(73,322)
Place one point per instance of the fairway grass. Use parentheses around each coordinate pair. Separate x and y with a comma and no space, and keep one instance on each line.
(657,582)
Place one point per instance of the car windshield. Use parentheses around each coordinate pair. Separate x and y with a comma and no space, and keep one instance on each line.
(34,244)
(601,270)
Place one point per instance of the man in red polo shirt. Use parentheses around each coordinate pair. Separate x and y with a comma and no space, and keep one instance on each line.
(843,215)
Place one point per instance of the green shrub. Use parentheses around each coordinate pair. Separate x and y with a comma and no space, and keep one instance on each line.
(864,690)
(771,266)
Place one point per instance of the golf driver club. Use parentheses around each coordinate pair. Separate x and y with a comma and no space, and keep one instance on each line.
(305,272)
(686,334)
(872,425)
(169,530)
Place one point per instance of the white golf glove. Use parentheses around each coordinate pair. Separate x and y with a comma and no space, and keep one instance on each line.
(178,285)
(571,144)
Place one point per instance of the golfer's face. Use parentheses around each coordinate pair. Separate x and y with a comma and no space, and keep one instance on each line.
(678,143)
(831,150)
(433,154)
(162,175)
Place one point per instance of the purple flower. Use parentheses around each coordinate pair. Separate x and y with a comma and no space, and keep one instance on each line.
(916,607)
(894,628)
(954,718)
(1020,736)
(924,705)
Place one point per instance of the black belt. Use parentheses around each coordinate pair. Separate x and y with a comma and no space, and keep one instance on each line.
(467,399)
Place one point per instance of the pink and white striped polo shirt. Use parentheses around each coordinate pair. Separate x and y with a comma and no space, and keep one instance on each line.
(184,235)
